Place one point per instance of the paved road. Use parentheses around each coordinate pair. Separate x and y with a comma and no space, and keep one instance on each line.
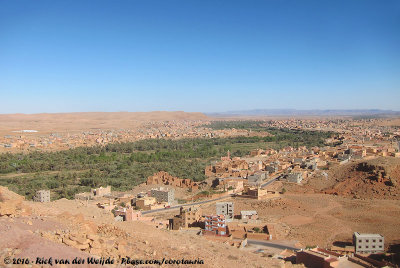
(270,181)
(270,244)
(185,205)
(203,202)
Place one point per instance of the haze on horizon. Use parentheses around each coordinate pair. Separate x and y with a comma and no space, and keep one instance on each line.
(198,56)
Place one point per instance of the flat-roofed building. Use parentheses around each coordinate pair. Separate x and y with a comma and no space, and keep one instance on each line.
(163,195)
(188,217)
(226,209)
(248,215)
(42,196)
(368,243)
(257,178)
(215,225)
(145,202)
(296,177)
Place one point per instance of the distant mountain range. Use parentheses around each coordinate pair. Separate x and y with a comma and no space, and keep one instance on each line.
(294,112)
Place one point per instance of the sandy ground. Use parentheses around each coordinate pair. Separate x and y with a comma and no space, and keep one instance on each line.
(76,122)
(319,219)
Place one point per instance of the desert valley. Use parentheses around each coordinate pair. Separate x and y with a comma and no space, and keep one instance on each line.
(283,187)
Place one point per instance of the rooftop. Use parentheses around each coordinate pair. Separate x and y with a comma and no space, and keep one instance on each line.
(357,234)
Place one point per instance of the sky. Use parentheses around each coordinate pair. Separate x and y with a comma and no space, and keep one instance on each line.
(198,55)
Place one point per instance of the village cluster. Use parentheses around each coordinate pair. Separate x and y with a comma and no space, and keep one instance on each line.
(27,140)
(249,177)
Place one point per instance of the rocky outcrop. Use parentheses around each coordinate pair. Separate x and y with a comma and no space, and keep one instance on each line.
(376,178)
(108,240)
(10,203)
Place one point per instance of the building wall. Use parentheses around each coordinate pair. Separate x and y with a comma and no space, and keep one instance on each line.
(311,260)
(226,209)
(368,244)
(144,202)
(163,195)
(295,177)
(42,196)
(216,225)
(188,217)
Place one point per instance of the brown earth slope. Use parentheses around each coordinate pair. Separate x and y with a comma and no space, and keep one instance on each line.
(377,178)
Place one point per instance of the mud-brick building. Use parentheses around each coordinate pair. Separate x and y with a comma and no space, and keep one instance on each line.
(188,217)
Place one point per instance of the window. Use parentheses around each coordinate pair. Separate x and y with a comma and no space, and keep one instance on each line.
(359,240)
(359,246)
(380,240)
(373,246)
(367,240)
(366,246)
(374,240)
(380,246)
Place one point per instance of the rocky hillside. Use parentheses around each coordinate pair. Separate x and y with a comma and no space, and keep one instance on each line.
(377,178)
(67,229)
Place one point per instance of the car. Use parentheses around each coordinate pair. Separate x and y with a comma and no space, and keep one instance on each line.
(167,206)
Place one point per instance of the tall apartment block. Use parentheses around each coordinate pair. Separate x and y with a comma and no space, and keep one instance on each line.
(226,209)
(215,225)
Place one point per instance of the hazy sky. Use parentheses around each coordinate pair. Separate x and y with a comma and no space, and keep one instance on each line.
(208,56)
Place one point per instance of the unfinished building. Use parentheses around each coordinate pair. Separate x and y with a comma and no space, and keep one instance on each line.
(226,209)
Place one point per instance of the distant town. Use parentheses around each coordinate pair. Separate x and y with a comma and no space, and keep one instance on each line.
(362,131)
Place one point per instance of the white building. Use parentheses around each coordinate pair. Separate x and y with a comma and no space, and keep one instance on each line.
(368,243)
(42,196)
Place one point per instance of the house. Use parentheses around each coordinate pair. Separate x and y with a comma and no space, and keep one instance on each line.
(226,209)
(163,195)
(128,214)
(317,258)
(215,225)
(255,192)
(343,158)
(145,202)
(42,196)
(257,178)
(233,183)
(296,177)
(188,217)
(102,191)
(368,243)
(164,178)
(248,215)
(125,198)
(272,168)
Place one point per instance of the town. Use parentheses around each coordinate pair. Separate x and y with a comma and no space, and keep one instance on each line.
(213,134)
(213,208)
